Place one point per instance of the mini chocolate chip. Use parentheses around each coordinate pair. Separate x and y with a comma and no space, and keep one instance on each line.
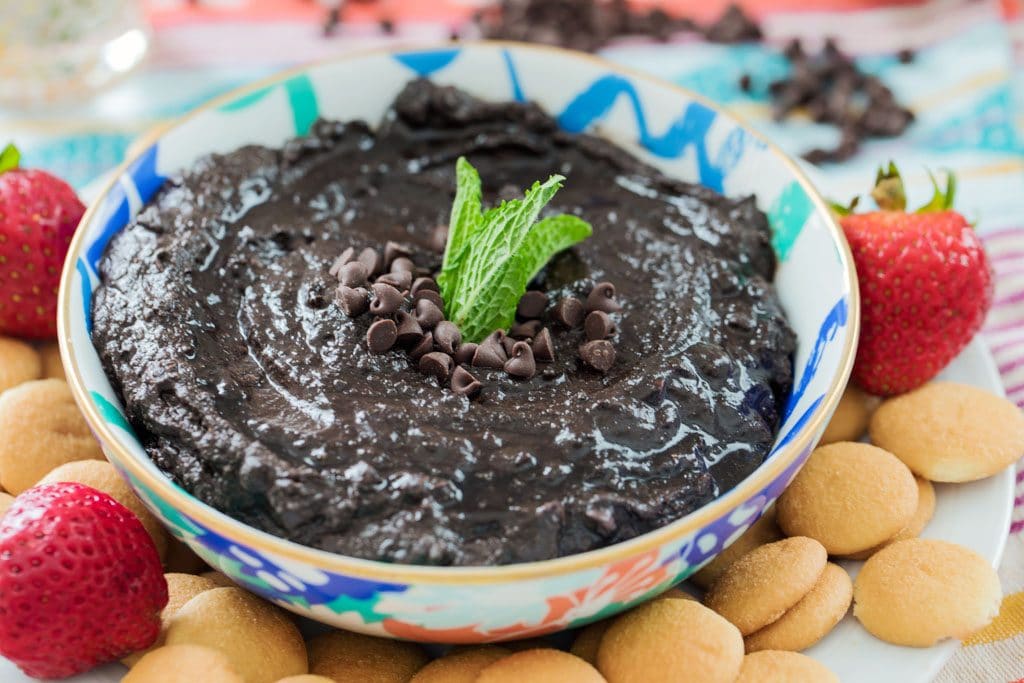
(439,238)
(464,354)
(345,257)
(465,384)
(525,330)
(421,284)
(496,337)
(428,314)
(371,258)
(381,336)
(429,295)
(386,299)
(409,330)
(448,336)
(490,353)
(352,300)
(403,264)
(532,304)
(401,280)
(906,55)
(423,346)
(568,312)
(393,250)
(352,274)
(543,347)
(598,325)
(598,354)
(745,82)
(507,343)
(602,298)
(436,364)
(521,364)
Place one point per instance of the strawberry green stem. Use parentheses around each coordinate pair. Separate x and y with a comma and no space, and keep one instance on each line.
(889,192)
(940,201)
(9,158)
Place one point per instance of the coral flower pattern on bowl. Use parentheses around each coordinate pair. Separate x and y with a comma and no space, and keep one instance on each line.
(662,124)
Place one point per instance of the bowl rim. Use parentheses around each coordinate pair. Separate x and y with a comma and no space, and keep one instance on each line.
(235,530)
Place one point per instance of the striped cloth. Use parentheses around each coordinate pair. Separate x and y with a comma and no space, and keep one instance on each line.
(966,86)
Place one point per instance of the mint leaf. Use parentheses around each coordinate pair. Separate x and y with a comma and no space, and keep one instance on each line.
(550,236)
(491,257)
(466,217)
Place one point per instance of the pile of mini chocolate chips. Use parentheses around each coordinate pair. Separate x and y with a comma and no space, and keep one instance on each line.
(831,88)
(409,315)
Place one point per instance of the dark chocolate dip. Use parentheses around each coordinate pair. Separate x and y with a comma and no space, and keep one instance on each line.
(216,321)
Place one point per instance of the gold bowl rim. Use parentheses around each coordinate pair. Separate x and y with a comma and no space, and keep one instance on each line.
(374,570)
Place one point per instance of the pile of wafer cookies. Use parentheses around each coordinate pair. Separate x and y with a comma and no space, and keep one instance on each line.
(777,590)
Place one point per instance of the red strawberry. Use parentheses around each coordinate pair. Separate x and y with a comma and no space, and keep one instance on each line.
(38,216)
(925,286)
(80,581)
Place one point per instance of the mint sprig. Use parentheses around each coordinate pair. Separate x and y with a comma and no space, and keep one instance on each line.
(492,255)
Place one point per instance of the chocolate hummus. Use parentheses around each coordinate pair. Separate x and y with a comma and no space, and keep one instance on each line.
(218,323)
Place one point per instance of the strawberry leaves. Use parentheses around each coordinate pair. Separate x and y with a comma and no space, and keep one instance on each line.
(940,201)
(890,194)
(9,158)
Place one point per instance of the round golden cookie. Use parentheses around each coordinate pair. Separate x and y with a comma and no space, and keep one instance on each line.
(920,591)
(41,429)
(6,501)
(260,640)
(180,589)
(181,559)
(850,421)
(809,620)
(19,363)
(102,476)
(763,531)
(922,515)
(950,432)
(543,665)
(670,641)
(306,678)
(589,638)
(219,578)
(777,666)
(460,667)
(347,656)
(53,367)
(849,497)
(760,586)
(588,641)
(183,664)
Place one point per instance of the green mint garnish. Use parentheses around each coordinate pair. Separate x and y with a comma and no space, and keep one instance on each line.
(492,255)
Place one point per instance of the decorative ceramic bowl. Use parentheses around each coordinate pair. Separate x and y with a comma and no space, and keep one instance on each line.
(665,125)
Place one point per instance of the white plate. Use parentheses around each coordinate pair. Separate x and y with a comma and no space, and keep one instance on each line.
(976,515)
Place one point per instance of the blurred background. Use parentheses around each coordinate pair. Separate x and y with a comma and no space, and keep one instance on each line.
(81,79)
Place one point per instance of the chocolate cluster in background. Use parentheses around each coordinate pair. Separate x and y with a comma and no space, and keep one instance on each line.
(831,89)
(828,86)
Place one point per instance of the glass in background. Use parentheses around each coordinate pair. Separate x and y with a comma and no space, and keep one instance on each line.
(57,50)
